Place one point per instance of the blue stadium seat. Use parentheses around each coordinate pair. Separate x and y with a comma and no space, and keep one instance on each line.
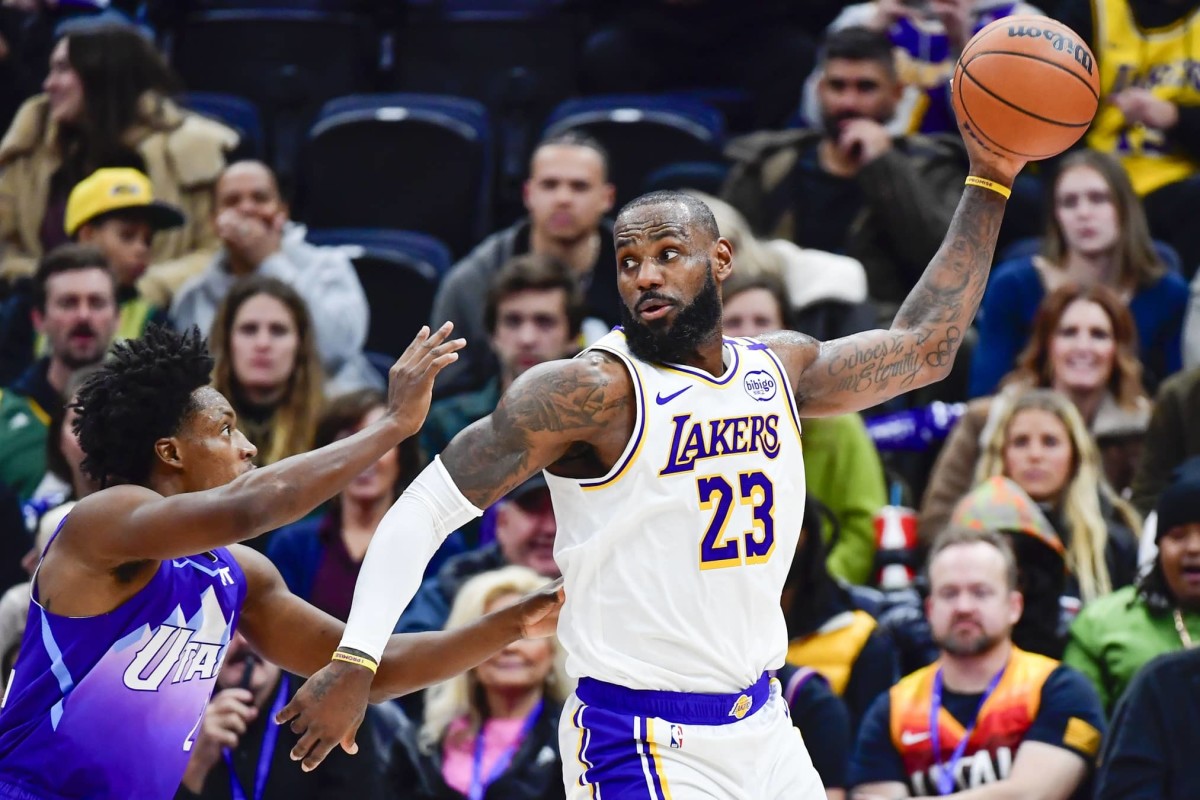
(415,245)
(416,162)
(643,133)
(707,176)
(399,289)
(287,62)
(236,112)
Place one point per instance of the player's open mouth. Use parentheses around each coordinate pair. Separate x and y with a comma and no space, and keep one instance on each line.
(654,309)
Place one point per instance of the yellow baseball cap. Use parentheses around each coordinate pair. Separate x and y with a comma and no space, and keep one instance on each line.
(116,189)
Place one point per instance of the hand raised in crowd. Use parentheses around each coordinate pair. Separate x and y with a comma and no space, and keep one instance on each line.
(250,239)
(955,16)
(862,140)
(229,714)
(888,13)
(1140,106)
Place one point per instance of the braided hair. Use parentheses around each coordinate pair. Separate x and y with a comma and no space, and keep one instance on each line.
(142,394)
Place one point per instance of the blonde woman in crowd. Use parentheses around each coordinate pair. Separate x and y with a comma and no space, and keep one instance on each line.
(1041,444)
(490,733)
(267,365)
(1083,346)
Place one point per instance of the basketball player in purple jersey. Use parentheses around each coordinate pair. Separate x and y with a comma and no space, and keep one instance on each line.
(137,594)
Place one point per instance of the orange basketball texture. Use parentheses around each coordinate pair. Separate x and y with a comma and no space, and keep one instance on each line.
(1026,86)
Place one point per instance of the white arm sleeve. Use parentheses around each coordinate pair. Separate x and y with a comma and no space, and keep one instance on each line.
(407,537)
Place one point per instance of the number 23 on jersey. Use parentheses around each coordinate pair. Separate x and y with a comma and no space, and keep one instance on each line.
(718,494)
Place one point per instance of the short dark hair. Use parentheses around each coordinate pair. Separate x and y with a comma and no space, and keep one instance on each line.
(698,211)
(56,460)
(574,138)
(347,410)
(536,272)
(141,394)
(956,535)
(67,258)
(859,43)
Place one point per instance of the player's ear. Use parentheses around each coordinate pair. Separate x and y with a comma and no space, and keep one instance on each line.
(722,259)
(167,450)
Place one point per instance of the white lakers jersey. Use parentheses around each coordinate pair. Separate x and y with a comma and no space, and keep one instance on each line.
(674,561)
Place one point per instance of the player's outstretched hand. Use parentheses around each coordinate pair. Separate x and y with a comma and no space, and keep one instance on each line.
(539,611)
(410,380)
(327,711)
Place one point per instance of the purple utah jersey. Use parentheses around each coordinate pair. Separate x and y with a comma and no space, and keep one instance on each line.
(108,706)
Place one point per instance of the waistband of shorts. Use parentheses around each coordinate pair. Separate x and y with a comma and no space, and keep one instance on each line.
(684,708)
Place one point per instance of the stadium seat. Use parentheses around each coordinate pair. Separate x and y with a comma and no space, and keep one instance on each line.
(236,112)
(417,162)
(281,60)
(706,176)
(399,291)
(406,243)
(643,133)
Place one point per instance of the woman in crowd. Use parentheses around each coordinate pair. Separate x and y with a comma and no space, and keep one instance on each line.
(106,104)
(1114,636)
(842,465)
(1096,235)
(1041,444)
(1083,347)
(491,732)
(267,365)
(320,558)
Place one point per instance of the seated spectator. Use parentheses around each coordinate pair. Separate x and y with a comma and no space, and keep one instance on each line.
(524,536)
(828,630)
(1173,436)
(850,186)
(493,731)
(825,295)
(567,195)
(1149,114)
(106,104)
(1114,636)
(320,558)
(999,504)
(64,481)
(987,711)
(239,752)
(264,346)
(1096,235)
(1150,753)
(842,467)
(257,238)
(1042,446)
(14,611)
(928,38)
(664,46)
(823,721)
(75,309)
(1083,348)
(532,314)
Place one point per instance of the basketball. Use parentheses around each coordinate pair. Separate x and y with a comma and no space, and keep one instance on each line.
(1026,86)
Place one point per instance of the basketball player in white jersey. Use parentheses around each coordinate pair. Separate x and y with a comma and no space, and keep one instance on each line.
(674,460)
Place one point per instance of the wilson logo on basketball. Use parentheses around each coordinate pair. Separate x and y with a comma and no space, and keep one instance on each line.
(1062,44)
(759,385)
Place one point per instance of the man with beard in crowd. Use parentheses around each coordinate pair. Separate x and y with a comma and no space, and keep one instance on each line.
(671,453)
(75,309)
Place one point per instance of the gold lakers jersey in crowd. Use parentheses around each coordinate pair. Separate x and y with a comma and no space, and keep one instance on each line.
(674,561)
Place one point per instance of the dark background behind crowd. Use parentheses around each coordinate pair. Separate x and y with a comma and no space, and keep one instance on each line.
(310,182)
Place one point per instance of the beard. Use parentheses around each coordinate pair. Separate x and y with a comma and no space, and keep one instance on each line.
(971,645)
(664,342)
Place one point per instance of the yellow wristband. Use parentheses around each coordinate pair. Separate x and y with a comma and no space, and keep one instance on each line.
(361,661)
(984,183)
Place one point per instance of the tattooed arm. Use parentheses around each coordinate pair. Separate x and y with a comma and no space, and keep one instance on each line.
(554,411)
(863,370)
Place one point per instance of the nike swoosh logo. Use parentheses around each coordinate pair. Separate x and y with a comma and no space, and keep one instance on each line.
(909,739)
(662,401)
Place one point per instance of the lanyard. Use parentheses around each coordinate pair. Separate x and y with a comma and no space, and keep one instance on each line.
(478,783)
(945,774)
(264,755)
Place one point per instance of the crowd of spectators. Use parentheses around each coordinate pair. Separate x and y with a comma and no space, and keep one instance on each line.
(1042,640)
